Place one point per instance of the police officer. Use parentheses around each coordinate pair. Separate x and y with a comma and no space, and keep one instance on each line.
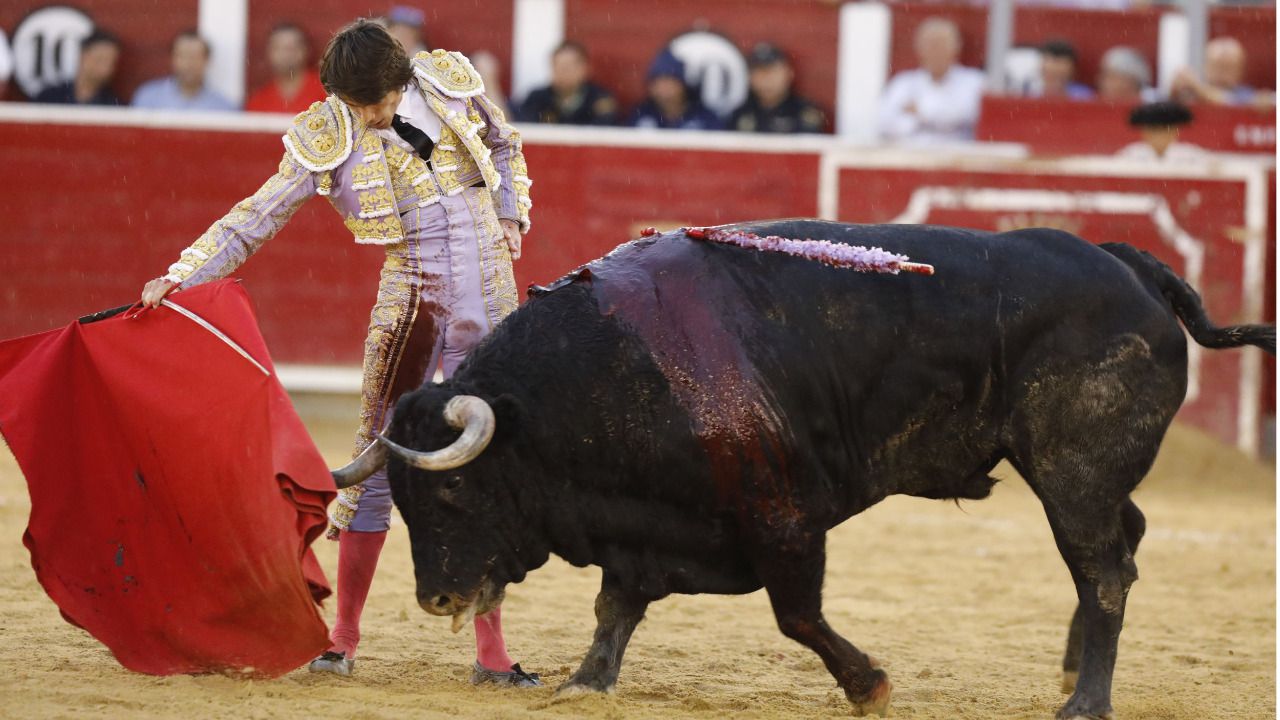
(772,106)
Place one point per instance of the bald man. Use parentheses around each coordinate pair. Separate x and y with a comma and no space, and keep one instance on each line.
(937,102)
(1223,83)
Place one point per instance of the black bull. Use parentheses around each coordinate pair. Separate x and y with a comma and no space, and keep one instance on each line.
(694,418)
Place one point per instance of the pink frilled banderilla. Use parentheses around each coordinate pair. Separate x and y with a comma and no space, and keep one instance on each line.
(854,257)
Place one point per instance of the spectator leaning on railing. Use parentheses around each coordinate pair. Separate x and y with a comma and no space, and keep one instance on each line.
(571,98)
(186,88)
(295,83)
(99,53)
(671,103)
(773,106)
(938,102)
(1223,83)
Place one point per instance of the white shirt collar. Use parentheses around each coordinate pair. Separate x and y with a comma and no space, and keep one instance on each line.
(414,110)
(406,107)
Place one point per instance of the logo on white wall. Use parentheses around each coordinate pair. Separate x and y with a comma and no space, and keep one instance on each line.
(46,47)
(713,63)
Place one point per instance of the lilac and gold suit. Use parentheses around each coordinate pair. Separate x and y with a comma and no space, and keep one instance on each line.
(447,280)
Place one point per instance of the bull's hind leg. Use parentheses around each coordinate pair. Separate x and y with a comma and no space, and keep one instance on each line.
(1096,552)
(617,614)
(1084,433)
(1134,525)
(794,583)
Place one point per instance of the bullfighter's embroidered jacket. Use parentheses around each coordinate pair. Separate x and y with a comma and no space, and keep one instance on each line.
(371,182)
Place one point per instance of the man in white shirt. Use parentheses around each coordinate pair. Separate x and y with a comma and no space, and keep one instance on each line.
(939,101)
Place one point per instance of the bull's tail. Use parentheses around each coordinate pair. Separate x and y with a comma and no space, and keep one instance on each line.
(1186,303)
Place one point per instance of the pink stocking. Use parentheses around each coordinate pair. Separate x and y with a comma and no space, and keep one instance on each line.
(491,649)
(357,559)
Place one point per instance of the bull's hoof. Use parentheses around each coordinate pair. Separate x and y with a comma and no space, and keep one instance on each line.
(571,688)
(1069,680)
(876,702)
(1078,708)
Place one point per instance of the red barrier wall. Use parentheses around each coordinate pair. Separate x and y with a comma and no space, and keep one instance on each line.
(1102,128)
(93,212)
(116,204)
(1210,212)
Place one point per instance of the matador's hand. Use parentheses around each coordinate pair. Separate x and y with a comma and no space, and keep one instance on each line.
(154,291)
(511,232)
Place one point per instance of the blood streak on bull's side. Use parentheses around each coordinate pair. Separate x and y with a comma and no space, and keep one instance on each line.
(698,348)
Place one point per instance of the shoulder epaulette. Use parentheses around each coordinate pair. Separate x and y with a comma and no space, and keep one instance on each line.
(450,72)
(320,138)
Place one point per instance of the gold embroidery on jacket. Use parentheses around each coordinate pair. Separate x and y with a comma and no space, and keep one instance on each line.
(376,231)
(449,72)
(390,323)
(320,138)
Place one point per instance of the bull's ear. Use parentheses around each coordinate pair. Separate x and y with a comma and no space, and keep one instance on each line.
(509,415)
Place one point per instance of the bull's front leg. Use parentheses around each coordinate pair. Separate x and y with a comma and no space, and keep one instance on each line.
(792,573)
(617,614)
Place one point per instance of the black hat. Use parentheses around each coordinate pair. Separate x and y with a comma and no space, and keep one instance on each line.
(766,54)
(1160,114)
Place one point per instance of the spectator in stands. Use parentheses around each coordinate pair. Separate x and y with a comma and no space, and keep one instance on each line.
(773,106)
(1058,62)
(99,53)
(186,88)
(405,25)
(671,103)
(571,98)
(295,84)
(6,65)
(938,102)
(1159,123)
(1223,83)
(1124,77)
(489,67)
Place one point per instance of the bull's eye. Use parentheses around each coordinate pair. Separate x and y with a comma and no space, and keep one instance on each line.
(453,482)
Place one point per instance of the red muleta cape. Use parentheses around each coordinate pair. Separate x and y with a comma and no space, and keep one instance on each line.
(174,491)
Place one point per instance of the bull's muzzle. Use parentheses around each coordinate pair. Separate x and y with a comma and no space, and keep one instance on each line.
(463,608)
(443,604)
(468,413)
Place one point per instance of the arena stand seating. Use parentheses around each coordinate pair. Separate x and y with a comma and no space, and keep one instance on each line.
(110,196)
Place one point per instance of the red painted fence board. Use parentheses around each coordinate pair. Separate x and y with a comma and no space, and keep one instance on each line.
(91,213)
(1064,127)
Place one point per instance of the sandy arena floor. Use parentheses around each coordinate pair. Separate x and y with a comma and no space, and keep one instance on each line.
(966,607)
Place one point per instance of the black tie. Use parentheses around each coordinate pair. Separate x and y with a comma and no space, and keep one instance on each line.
(420,141)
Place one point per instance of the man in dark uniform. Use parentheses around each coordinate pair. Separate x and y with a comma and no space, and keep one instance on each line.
(772,107)
(99,53)
(571,98)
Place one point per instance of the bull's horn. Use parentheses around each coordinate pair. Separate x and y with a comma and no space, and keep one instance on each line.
(468,413)
(359,470)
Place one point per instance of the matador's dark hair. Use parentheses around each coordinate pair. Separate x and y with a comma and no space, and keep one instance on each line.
(362,63)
